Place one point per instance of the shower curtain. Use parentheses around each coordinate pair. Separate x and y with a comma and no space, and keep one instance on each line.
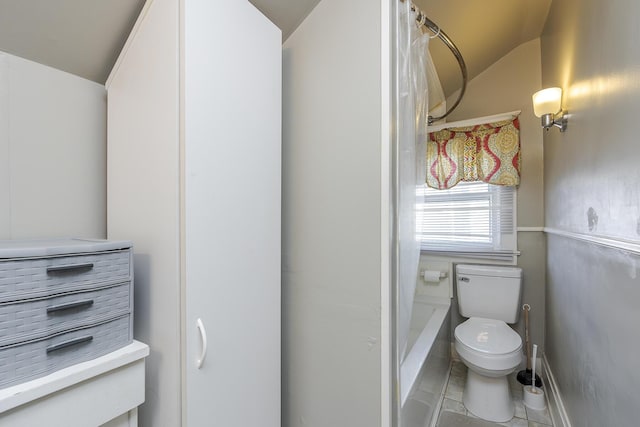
(417,75)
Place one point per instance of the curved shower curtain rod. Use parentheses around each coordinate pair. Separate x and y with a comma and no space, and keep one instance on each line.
(423,20)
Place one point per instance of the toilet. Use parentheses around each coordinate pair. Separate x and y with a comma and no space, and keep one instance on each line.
(490,297)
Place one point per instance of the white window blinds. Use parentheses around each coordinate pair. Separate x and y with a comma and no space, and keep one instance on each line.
(472,219)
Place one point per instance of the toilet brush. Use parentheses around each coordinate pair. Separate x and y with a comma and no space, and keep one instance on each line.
(526,377)
(533,368)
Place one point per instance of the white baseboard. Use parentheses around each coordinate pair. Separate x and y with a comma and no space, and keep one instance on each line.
(554,400)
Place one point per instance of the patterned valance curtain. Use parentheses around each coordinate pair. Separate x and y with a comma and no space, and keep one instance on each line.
(487,152)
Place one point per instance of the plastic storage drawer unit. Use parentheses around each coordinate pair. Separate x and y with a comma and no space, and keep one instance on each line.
(62,302)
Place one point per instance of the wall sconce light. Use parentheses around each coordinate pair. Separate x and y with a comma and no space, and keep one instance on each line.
(547,106)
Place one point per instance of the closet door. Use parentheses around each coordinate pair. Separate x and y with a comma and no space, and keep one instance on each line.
(232,140)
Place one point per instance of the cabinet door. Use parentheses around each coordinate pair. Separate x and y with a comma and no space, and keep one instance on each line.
(232,140)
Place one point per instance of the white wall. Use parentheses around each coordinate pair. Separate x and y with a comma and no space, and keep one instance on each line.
(331,217)
(52,152)
(507,86)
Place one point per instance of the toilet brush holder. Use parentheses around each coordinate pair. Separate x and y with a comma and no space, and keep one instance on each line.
(534,397)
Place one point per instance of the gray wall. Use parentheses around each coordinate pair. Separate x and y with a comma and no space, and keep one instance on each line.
(507,86)
(590,48)
(331,218)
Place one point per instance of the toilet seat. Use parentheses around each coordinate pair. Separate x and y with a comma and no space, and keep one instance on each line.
(488,336)
(489,345)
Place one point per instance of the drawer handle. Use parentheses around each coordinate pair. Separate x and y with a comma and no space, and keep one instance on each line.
(69,268)
(69,343)
(70,305)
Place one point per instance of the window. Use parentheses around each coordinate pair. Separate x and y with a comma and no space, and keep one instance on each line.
(471,219)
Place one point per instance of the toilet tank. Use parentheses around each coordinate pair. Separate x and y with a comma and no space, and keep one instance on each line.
(486,291)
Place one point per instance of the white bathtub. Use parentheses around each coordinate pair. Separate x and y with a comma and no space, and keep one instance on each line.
(423,372)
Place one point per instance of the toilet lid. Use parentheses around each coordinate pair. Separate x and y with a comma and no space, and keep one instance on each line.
(488,336)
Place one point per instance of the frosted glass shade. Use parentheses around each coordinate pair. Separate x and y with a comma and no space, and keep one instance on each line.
(547,101)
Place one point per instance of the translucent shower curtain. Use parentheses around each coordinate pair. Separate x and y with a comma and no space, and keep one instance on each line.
(415,64)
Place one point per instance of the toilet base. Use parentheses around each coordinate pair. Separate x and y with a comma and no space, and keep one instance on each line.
(488,398)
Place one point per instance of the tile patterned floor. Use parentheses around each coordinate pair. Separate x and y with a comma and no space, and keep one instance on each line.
(524,417)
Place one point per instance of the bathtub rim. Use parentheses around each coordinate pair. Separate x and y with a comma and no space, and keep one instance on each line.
(415,359)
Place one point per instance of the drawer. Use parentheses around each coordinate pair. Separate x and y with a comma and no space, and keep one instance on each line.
(42,277)
(33,319)
(39,358)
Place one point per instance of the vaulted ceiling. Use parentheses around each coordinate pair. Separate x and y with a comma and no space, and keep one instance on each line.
(85,37)
(82,37)
(483,30)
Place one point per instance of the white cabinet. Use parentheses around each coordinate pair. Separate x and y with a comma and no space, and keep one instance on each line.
(194,116)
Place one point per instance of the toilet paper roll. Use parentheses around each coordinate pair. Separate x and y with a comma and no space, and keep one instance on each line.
(431,276)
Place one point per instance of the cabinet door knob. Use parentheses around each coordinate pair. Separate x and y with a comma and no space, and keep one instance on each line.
(203,339)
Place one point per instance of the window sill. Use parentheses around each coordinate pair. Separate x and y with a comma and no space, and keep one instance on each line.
(460,259)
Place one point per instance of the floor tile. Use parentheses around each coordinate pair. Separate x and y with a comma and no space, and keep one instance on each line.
(454,391)
(470,414)
(516,422)
(517,393)
(515,387)
(458,381)
(452,419)
(453,406)
(524,417)
(458,369)
(541,417)
(520,411)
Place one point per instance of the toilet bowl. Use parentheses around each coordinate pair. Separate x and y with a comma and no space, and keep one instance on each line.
(489,296)
(491,350)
